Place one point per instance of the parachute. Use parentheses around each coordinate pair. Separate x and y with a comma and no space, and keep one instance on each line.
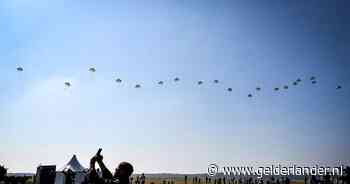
(19,69)
(137,86)
(118,80)
(67,84)
(160,82)
(92,69)
(177,79)
(229,89)
(200,82)
(216,81)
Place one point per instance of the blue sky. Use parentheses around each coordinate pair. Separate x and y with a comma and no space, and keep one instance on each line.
(178,127)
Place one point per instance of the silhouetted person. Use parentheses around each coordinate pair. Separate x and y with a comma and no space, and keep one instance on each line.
(69,176)
(3,172)
(142,179)
(261,181)
(287,181)
(121,175)
(313,180)
(327,178)
(250,180)
(185,179)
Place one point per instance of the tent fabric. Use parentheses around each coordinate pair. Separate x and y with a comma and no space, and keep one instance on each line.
(73,165)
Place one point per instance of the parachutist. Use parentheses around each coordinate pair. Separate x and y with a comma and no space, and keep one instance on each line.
(20,69)
(67,84)
(92,69)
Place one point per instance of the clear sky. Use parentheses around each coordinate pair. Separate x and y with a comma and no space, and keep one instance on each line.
(178,127)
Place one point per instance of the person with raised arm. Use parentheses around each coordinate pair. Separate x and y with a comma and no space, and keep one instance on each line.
(121,175)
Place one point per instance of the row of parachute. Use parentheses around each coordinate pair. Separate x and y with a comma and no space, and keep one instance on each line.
(177,79)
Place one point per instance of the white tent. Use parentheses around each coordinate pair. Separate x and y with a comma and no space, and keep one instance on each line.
(73,165)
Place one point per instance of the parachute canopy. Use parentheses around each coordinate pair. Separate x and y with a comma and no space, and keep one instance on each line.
(92,69)
(67,84)
(20,69)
